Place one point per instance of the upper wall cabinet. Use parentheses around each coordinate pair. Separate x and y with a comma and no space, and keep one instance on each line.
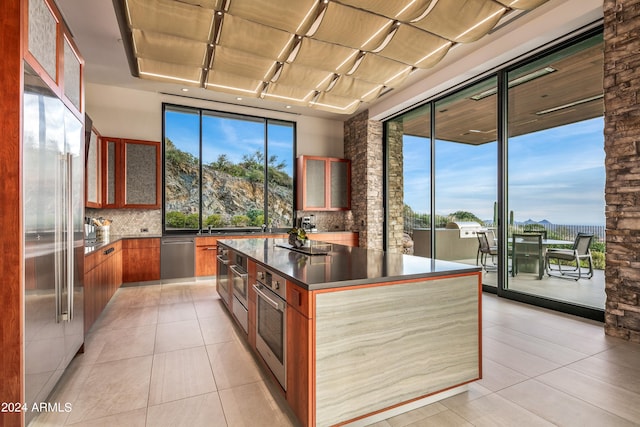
(130,173)
(51,52)
(323,183)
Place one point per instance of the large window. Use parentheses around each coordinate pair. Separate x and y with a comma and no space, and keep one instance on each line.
(540,170)
(226,172)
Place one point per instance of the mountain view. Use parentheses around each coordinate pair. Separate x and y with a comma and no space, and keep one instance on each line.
(233,193)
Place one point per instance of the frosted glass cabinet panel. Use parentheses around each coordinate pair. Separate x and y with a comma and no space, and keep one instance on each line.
(323,183)
(316,184)
(141,173)
(109,178)
(42,36)
(339,184)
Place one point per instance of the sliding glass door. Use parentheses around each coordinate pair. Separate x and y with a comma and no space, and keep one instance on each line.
(467,184)
(556,172)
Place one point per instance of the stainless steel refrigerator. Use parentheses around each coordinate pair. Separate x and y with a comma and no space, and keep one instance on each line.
(53,194)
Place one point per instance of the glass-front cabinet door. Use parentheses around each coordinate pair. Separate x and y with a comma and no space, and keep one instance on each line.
(110,180)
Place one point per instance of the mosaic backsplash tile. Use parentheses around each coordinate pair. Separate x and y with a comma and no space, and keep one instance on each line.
(130,222)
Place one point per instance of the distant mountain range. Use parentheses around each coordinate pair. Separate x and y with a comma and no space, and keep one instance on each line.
(530,221)
(527,222)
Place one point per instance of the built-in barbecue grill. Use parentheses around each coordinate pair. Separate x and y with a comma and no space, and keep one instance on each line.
(467,229)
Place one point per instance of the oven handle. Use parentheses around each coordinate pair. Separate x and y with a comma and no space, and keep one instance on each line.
(222,260)
(238,272)
(267,298)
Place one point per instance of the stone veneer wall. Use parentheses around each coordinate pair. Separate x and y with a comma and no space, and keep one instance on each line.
(395,187)
(622,147)
(363,146)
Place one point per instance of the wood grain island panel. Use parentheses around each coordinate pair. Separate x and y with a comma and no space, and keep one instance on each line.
(378,346)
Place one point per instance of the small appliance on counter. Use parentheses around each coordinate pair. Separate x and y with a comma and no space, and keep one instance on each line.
(308,224)
(96,230)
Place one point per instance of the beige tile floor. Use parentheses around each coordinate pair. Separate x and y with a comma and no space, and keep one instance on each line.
(169,355)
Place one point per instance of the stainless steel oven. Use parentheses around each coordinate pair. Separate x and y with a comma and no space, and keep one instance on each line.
(222,275)
(271,322)
(240,284)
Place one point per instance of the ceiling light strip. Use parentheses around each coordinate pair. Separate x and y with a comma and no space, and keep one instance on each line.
(384,27)
(304,20)
(163,76)
(408,5)
(446,45)
(515,82)
(488,18)
(570,104)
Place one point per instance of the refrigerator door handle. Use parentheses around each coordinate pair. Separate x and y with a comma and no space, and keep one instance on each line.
(59,244)
(68,316)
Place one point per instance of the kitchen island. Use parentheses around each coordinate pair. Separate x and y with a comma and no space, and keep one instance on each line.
(366,334)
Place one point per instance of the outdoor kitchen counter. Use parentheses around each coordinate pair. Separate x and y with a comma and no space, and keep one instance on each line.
(343,266)
(369,334)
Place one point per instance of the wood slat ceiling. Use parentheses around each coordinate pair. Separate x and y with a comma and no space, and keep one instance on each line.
(578,76)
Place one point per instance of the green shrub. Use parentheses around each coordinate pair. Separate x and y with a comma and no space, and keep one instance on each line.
(598,260)
(192,221)
(175,219)
(240,221)
(214,221)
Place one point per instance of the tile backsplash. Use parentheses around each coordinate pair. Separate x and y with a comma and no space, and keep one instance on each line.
(330,220)
(130,222)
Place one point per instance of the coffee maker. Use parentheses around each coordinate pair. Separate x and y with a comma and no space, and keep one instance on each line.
(308,224)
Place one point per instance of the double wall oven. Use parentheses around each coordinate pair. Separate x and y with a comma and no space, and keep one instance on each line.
(240,284)
(271,321)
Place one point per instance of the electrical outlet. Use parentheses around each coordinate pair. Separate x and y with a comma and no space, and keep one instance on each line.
(144,230)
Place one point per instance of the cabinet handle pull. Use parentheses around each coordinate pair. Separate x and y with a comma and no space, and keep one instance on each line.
(108,251)
(211,249)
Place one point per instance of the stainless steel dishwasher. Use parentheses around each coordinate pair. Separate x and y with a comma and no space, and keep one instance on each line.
(177,257)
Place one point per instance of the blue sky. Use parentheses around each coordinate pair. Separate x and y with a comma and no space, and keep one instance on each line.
(235,138)
(556,174)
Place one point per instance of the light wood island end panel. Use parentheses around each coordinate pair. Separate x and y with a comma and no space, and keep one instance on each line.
(380,346)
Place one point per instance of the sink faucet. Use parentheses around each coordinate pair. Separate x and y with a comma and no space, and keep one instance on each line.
(264,227)
(209,228)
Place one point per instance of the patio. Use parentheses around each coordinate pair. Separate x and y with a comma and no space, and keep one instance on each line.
(585,292)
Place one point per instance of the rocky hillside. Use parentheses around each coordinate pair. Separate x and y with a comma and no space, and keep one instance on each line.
(232,194)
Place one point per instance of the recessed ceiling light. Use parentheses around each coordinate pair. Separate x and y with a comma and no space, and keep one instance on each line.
(184,89)
(239,98)
(288,106)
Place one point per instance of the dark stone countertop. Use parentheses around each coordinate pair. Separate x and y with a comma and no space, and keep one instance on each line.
(343,266)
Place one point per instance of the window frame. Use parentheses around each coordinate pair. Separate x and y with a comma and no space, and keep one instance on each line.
(266,122)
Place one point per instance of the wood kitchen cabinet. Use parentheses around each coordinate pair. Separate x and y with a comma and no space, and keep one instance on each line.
(140,260)
(102,278)
(206,253)
(130,173)
(323,183)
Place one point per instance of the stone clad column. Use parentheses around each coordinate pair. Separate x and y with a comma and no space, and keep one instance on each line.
(622,147)
(395,187)
(363,146)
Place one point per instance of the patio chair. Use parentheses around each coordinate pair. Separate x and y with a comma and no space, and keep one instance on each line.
(527,249)
(580,250)
(486,248)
